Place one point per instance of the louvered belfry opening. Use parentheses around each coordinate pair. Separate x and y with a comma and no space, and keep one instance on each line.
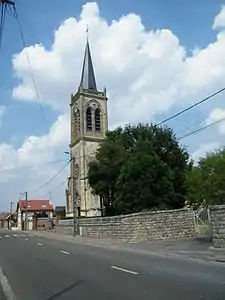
(97,120)
(89,119)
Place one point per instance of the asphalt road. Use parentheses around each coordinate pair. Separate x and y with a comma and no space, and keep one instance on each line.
(43,269)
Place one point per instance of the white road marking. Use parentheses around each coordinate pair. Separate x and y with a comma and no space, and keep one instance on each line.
(23,234)
(39,244)
(26,239)
(124,270)
(64,252)
(7,235)
(15,235)
(0,237)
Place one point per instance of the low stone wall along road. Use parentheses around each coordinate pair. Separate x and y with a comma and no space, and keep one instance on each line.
(38,267)
(154,225)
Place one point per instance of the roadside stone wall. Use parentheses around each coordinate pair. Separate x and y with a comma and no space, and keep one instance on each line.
(217,216)
(64,229)
(155,225)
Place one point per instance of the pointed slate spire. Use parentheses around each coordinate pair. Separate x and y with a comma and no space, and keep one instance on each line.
(88,75)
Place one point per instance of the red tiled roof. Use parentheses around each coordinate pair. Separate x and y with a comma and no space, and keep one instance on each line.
(35,205)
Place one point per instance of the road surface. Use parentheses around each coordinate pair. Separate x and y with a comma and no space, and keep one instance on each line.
(43,269)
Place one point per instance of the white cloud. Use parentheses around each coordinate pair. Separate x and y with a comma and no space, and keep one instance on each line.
(216,115)
(146,72)
(202,150)
(219,21)
(32,163)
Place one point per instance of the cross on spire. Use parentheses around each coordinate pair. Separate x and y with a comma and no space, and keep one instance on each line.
(87,32)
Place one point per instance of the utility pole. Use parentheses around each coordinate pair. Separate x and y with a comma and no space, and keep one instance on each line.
(73,192)
(26,211)
(74,196)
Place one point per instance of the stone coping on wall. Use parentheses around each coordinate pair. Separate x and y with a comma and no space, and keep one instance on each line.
(217,207)
(152,212)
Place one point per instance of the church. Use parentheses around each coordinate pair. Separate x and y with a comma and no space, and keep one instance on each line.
(89,124)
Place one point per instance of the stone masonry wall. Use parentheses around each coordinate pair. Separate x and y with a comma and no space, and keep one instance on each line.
(156,225)
(217,215)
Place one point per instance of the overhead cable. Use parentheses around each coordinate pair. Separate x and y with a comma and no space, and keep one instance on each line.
(191,106)
(30,166)
(53,177)
(201,128)
(29,62)
(55,188)
(2,20)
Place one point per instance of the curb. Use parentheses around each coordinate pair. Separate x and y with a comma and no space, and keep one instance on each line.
(7,290)
(219,254)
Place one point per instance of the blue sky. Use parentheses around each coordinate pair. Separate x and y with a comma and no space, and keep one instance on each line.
(191,24)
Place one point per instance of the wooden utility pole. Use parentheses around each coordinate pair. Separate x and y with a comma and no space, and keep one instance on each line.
(74,196)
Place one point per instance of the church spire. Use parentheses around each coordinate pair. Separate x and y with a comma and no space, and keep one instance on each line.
(88,75)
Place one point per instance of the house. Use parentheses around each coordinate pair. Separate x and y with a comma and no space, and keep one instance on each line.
(39,213)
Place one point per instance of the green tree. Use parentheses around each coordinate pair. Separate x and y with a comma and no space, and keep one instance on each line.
(206,180)
(140,167)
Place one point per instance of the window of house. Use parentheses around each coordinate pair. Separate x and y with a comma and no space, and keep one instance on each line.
(97,120)
(89,119)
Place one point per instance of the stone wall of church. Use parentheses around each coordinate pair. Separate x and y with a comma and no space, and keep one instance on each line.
(156,225)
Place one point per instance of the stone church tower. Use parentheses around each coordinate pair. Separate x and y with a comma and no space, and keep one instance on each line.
(89,124)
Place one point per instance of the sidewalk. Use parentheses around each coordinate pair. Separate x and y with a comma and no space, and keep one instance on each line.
(198,248)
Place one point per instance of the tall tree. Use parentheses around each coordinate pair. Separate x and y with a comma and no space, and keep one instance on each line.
(206,180)
(140,167)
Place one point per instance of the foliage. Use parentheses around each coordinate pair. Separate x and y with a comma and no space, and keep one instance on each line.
(139,167)
(206,180)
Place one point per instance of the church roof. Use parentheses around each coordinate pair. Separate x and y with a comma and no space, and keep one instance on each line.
(88,75)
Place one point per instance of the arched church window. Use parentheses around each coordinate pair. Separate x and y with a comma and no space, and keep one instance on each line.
(97,120)
(78,121)
(75,121)
(89,119)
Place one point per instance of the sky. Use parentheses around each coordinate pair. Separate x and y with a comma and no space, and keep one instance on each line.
(155,57)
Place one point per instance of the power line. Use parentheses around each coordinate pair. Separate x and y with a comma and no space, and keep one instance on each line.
(59,172)
(6,6)
(201,128)
(52,178)
(192,106)
(2,20)
(29,61)
(31,166)
(55,188)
